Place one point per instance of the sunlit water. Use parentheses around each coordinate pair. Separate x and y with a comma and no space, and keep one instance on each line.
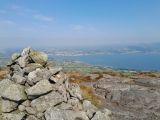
(124,61)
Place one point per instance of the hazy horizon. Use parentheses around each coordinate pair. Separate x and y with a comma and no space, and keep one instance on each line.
(78,23)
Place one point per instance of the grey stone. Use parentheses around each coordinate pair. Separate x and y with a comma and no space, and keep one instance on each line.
(75,91)
(33,78)
(55,70)
(21,108)
(102,115)
(40,115)
(4,84)
(62,90)
(31,67)
(19,79)
(59,78)
(89,108)
(148,82)
(64,106)
(25,51)
(76,105)
(39,74)
(8,106)
(58,114)
(23,61)
(26,103)
(15,56)
(40,88)
(32,117)
(46,101)
(13,116)
(14,92)
(0,106)
(107,76)
(30,110)
(16,68)
(39,57)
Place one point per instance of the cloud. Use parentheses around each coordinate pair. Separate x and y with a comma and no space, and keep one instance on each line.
(78,27)
(86,28)
(43,18)
(22,11)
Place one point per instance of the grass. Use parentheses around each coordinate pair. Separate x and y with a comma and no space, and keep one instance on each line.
(125,74)
(88,94)
(3,73)
(78,77)
(80,66)
(87,91)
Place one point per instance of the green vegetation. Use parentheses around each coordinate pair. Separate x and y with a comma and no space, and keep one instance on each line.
(82,67)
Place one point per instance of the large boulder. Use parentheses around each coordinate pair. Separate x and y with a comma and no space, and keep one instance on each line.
(102,115)
(4,84)
(31,67)
(13,116)
(18,79)
(8,106)
(15,56)
(75,91)
(23,61)
(26,51)
(58,114)
(42,103)
(40,88)
(14,92)
(39,57)
(89,108)
(32,117)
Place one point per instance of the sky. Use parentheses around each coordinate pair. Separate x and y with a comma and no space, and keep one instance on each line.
(78,22)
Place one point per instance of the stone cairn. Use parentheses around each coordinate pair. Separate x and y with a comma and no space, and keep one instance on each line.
(36,90)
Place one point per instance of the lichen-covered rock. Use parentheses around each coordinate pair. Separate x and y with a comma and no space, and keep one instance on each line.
(76,104)
(8,106)
(89,108)
(16,68)
(58,114)
(14,92)
(40,88)
(42,103)
(39,57)
(30,110)
(26,103)
(55,70)
(22,61)
(4,84)
(32,117)
(75,91)
(102,115)
(26,51)
(59,78)
(13,116)
(33,77)
(18,79)
(15,56)
(21,108)
(31,67)
(39,74)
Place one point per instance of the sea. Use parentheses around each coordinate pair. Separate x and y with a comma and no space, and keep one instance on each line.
(137,61)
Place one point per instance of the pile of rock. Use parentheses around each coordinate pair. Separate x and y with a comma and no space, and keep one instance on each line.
(35,90)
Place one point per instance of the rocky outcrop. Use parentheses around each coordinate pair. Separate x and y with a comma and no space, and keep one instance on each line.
(131,99)
(35,90)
